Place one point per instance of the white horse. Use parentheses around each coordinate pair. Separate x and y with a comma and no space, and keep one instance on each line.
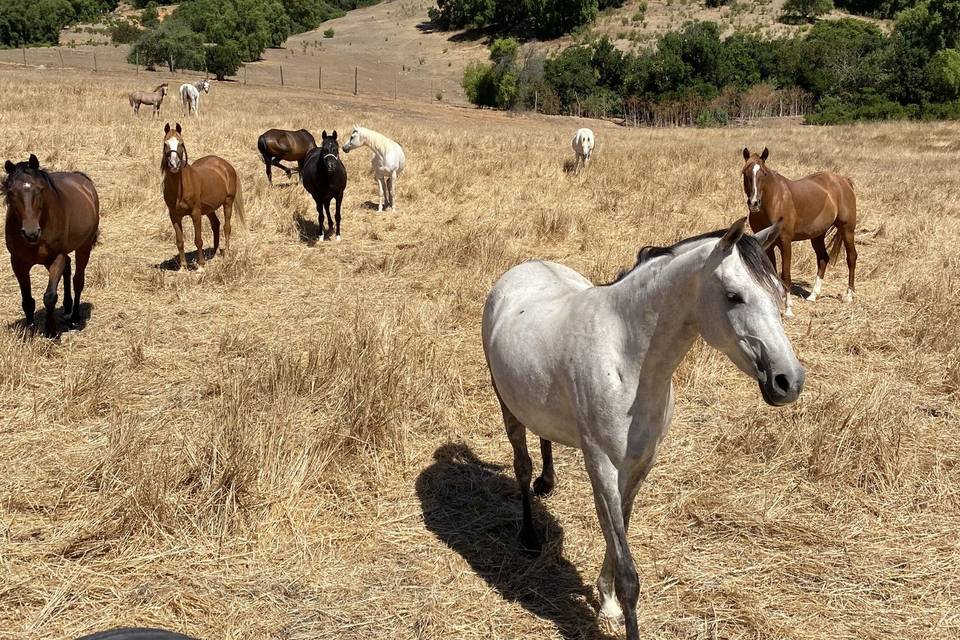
(190,95)
(388,160)
(583,143)
(590,367)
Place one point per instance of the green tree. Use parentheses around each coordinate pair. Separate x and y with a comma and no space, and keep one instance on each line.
(806,10)
(173,45)
(943,75)
(223,60)
(150,17)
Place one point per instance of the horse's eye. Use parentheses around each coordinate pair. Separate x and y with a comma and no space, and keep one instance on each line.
(734,298)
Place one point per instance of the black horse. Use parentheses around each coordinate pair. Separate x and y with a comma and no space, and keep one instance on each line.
(324,177)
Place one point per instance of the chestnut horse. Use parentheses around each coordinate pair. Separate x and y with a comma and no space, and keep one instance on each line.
(48,216)
(278,144)
(809,207)
(198,190)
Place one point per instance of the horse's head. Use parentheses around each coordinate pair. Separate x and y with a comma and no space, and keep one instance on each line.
(174,151)
(329,146)
(739,312)
(754,174)
(355,141)
(205,85)
(26,186)
(162,89)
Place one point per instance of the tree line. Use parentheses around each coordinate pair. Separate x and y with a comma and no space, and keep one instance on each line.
(38,22)
(838,71)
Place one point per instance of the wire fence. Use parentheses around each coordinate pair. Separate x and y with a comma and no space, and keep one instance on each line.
(300,72)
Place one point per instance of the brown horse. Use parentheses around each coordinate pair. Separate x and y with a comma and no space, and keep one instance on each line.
(809,207)
(277,144)
(48,216)
(154,98)
(198,190)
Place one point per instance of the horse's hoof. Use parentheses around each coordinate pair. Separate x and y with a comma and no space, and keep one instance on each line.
(337,238)
(848,296)
(788,313)
(322,239)
(812,297)
(199,268)
(611,622)
(542,486)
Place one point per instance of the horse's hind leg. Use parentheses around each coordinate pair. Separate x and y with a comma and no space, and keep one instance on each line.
(523,468)
(337,216)
(79,280)
(823,257)
(227,225)
(326,207)
(380,183)
(393,191)
(215,227)
(543,485)
(67,296)
(269,166)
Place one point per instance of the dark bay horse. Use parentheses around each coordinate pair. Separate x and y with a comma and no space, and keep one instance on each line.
(325,178)
(154,98)
(198,190)
(809,207)
(277,144)
(48,216)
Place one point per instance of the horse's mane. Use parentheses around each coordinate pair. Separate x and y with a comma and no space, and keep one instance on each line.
(377,141)
(158,87)
(41,173)
(751,252)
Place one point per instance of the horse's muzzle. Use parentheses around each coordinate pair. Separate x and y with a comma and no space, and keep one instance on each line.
(780,388)
(753,207)
(32,236)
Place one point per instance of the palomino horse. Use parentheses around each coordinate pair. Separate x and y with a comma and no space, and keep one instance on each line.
(48,216)
(198,190)
(277,144)
(388,160)
(154,97)
(325,178)
(190,95)
(808,207)
(590,367)
(583,143)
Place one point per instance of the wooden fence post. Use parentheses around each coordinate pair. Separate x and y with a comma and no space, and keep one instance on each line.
(60,53)
(281,75)
(355,86)
(396,86)
(95,69)
(244,75)
(320,79)
(24,51)
(136,62)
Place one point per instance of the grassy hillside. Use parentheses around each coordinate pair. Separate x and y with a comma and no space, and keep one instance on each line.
(302,441)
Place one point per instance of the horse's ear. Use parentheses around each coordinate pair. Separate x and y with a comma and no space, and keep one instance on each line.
(166,128)
(746,153)
(179,130)
(324,134)
(34,162)
(769,236)
(334,136)
(765,154)
(9,167)
(734,233)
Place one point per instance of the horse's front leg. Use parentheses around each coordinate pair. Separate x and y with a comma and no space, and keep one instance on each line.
(393,191)
(337,216)
(215,227)
(619,575)
(198,238)
(380,181)
(55,269)
(177,222)
(67,295)
(22,271)
(326,207)
(785,253)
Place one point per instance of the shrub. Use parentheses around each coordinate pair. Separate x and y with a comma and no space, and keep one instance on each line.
(328,33)
(943,75)
(223,60)
(123,32)
(806,10)
(150,17)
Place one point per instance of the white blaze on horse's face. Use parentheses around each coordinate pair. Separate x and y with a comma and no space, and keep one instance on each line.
(171,152)
(741,318)
(206,86)
(753,197)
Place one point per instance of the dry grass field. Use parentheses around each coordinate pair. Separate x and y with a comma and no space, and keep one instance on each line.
(301,442)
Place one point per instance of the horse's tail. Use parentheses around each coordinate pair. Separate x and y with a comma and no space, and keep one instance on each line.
(836,243)
(262,148)
(238,202)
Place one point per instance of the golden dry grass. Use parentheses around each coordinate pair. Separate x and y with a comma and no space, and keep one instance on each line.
(301,442)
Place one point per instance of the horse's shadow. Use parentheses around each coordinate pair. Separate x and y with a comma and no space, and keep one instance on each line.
(173,264)
(474,508)
(370,205)
(40,319)
(308,230)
